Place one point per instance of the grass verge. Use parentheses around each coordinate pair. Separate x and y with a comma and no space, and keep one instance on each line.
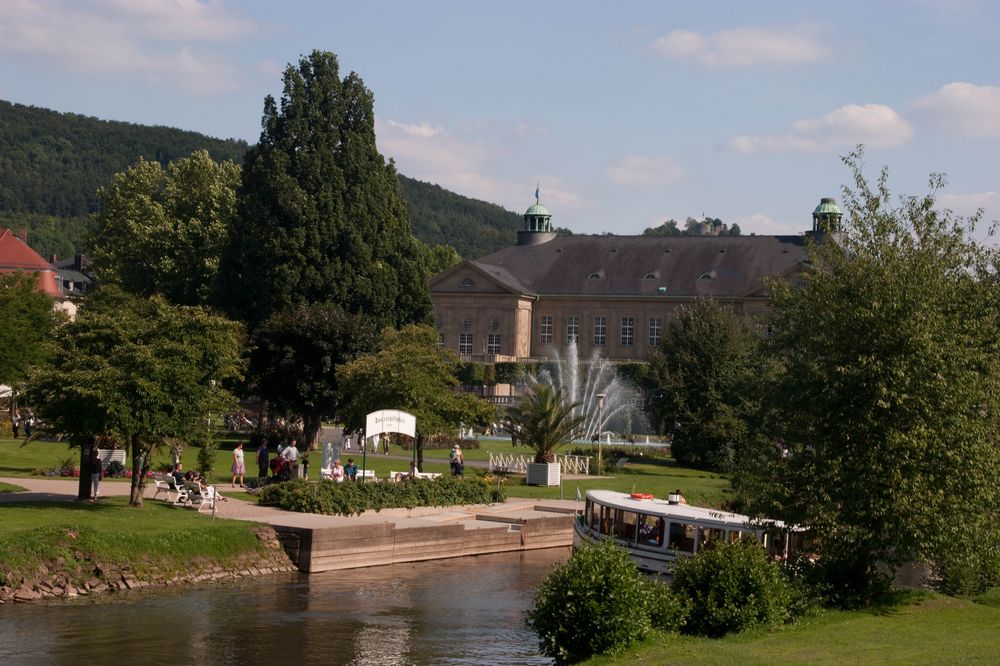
(920,629)
(10,488)
(156,541)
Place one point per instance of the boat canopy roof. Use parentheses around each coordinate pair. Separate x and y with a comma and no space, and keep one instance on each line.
(679,512)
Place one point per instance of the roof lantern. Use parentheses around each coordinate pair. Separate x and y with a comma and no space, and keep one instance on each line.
(537,224)
(826,217)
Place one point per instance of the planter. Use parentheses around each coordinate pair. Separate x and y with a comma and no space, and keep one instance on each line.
(544,474)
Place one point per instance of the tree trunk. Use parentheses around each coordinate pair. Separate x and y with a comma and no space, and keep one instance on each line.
(135,494)
(311,426)
(84,487)
(419,443)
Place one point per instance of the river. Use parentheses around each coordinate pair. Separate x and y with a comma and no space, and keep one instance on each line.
(460,611)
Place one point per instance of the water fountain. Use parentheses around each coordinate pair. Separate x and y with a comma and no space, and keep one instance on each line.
(599,378)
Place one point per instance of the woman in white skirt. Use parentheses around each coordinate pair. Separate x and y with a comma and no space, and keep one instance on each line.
(238,468)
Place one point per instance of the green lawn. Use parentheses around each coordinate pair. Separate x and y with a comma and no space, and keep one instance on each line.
(10,488)
(933,630)
(157,537)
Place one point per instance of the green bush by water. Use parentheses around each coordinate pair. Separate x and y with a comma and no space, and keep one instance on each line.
(595,603)
(731,588)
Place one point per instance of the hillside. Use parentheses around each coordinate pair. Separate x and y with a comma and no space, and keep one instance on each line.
(52,163)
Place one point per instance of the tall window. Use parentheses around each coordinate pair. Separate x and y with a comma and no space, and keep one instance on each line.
(493,343)
(465,343)
(545,330)
(572,329)
(600,330)
(655,326)
(628,331)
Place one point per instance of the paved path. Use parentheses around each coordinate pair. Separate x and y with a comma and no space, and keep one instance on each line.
(65,490)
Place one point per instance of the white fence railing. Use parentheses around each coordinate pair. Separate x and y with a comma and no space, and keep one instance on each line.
(517,463)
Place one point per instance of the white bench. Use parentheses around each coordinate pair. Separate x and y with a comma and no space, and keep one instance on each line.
(199,499)
(367,475)
(108,456)
(427,475)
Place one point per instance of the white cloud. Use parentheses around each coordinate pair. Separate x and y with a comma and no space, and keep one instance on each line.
(746,47)
(967,204)
(434,154)
(874,125)
(965,109)
(642,171)
(764,225)
(149,39)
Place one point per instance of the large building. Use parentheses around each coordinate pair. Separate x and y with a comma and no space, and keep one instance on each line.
(611,294)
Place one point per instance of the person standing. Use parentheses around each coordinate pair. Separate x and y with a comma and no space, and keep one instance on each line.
(262,461)
(457,461)
(239,469)
(96,471)
(15,423)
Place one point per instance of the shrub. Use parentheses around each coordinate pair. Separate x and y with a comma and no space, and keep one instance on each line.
(731,588)
(206,457)
(346,499)
(667,610)
(595,603)
(114,469)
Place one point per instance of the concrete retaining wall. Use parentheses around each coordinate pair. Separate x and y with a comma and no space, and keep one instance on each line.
(355,546)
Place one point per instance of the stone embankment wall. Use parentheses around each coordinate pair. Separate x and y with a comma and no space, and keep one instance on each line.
(355,546)
(54,581)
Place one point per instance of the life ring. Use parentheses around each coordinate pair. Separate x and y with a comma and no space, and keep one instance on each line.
(641,496)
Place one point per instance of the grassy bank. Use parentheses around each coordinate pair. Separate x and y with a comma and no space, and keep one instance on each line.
(921,629)
(9,488)
(84,541)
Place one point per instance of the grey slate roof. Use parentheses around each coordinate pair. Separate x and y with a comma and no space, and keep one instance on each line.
(717,266)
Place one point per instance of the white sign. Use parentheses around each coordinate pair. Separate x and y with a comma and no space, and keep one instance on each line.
(390,420)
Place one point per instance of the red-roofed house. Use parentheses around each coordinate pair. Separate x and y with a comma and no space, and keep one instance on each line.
(17,257)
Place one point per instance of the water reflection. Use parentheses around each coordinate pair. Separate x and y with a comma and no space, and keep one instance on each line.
(462,611)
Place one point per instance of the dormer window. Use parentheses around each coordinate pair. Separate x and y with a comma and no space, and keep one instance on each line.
(467,283)
(707,276)
(651,276)
(594,276)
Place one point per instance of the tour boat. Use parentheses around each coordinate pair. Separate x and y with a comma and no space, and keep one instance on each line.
(656,532)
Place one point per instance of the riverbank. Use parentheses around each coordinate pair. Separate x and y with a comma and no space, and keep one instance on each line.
(69,549)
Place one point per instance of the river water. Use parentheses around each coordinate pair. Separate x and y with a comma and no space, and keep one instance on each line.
(460,611)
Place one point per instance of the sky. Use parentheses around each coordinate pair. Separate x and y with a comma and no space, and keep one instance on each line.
(623,114)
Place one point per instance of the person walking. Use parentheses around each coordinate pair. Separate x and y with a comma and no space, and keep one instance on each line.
(15,423)
(96,471)
(262,461)
(239,469)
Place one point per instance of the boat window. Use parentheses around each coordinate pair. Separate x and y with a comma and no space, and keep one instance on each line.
(732,536)
(590,516)
(776,544)
(625,524)
(606,520)
(710,537)
(682,537)
(651,530)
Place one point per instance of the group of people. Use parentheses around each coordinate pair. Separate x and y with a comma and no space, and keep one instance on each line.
(182,479)
(281,466)
(26,420)
(339,471)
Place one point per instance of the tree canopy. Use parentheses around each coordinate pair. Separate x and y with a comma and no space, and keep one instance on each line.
(27,323)
(410,372)
(543,419)
(161,231)
(294,357)
(881,433)
(704,382)
(320,216)
(140,370)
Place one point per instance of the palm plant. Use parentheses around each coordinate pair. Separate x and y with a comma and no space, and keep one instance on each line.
(543,419)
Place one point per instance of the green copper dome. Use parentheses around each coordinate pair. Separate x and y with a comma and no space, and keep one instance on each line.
(827,206)
(537,210)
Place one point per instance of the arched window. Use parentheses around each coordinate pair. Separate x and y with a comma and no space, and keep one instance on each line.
(594,276)
(467,283)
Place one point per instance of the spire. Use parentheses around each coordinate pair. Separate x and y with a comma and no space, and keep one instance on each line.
(537,187)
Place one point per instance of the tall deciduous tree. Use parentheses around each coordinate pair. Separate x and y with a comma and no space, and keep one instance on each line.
(141,370)
(882,433)
(294,357)
(161,231)
(26,323)
(412,373)
(703,382)
(321,218)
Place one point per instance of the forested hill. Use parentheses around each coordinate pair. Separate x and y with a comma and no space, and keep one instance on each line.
(473,227)
(52,163)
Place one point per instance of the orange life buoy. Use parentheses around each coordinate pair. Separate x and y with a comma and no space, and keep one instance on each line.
(642,496)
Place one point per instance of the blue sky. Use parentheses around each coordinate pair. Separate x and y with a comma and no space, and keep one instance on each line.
(627,113)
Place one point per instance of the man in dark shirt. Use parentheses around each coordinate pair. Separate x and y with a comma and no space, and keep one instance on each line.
(178,475)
